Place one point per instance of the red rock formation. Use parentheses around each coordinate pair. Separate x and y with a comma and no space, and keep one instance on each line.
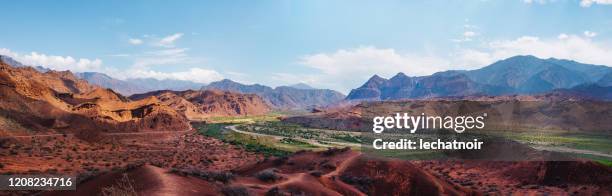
(209,103)
(59,102)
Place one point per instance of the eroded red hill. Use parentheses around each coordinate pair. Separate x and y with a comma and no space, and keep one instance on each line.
(57,102)
(209,103)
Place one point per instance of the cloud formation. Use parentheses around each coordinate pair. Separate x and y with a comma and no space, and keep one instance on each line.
(161,52)
(54,62)
(193,74)
(574,47)
(583,3)
(588,3)
(169,40)
(171,56)
(164,52)
(344,68)
(135,41)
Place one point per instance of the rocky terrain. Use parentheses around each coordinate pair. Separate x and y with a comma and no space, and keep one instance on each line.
(115,153)
(58,102)
(346,172)
(197,105)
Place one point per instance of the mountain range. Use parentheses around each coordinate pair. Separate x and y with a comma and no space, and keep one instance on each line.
(518,75)
(137,85)
(282,97)
(298,96)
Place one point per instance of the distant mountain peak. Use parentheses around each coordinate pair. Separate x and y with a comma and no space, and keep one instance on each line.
(400,74)
(376,77)
(10,61)
(522,57)
(227,80)
(301,86)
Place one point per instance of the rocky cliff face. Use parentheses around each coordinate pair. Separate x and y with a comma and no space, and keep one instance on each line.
(60,102)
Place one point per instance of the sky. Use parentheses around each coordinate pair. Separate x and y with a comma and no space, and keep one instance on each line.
(326,44)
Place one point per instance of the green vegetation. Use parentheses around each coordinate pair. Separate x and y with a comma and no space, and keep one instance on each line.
(321,136)
(260,145)
(217,130)
(583,141)
(347,138)
(268,136)
(605,162)
(246,119)
(211,130)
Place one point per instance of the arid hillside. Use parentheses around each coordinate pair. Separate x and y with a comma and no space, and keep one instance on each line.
(347,172)
(201,104)
(32,102)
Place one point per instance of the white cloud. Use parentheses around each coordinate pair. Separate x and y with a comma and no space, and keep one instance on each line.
(353,66)
(588,3)
(193,74)
(469,34)
(172,56)
(168,41)
(574,47)
(590,34)
(372,59)
(139,70)
(54,62)
(535,1)
(583,3)
(135,41)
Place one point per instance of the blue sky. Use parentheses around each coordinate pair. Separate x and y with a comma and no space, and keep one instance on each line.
(327,44)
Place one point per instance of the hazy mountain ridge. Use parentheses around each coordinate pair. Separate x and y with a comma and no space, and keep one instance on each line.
(137,85)
(282,97)
(523,75)
(100,79)
(165,84)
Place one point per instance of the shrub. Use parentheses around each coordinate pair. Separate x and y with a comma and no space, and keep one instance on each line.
(125,187)
(223,177)
(235,191)
(274,191)
(316,173)
(267,175)
(361,182)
